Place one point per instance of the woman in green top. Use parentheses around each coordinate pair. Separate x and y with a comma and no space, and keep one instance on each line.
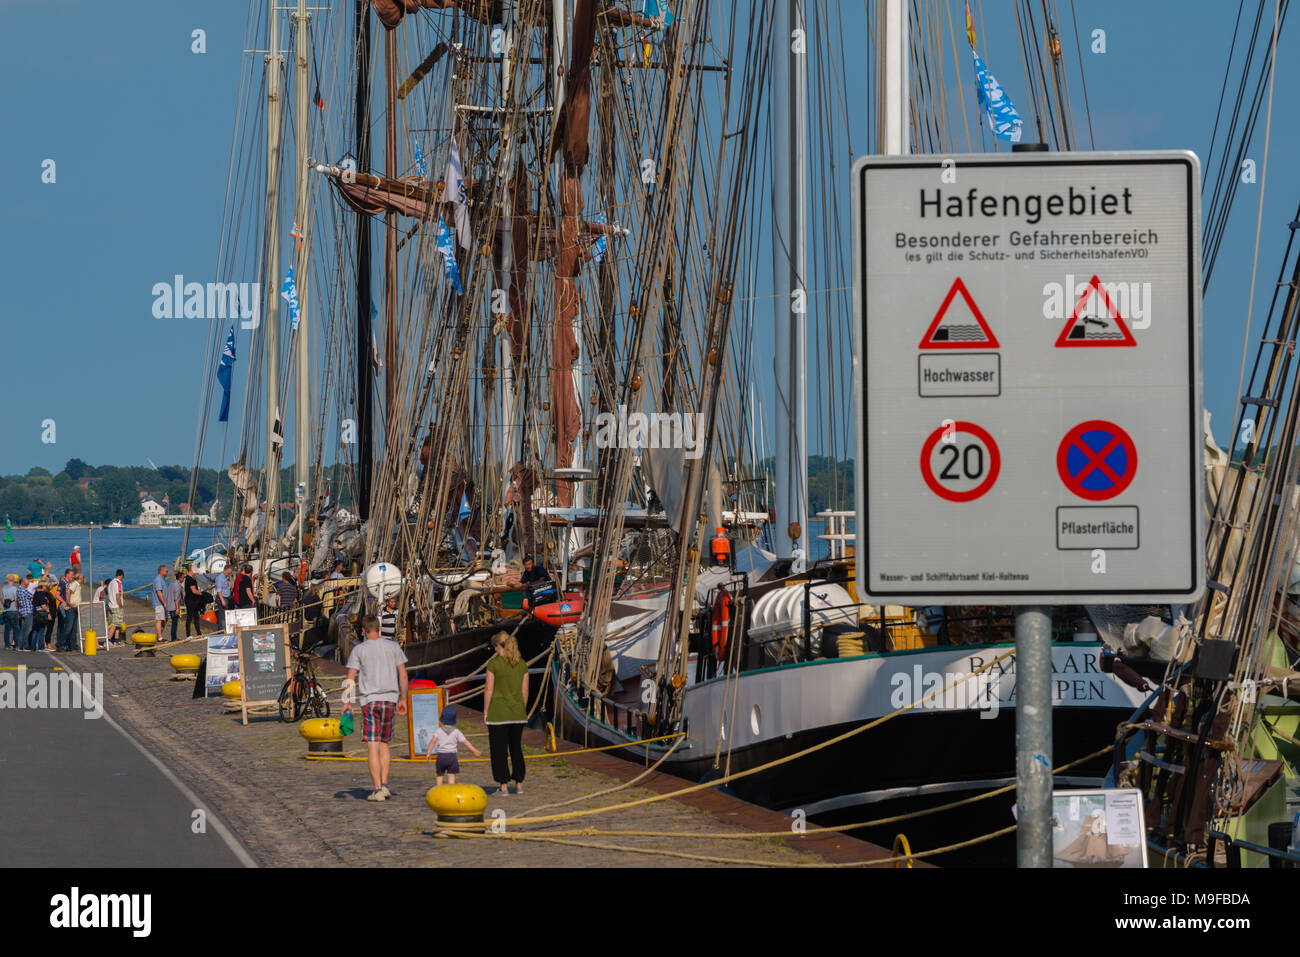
(504,703)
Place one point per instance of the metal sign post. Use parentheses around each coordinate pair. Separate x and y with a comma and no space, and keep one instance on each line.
(1034,737)
(1028,393)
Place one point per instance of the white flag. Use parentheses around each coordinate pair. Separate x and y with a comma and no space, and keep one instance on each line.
(454,193)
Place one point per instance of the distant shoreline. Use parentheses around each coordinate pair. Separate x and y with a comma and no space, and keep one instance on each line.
(73,528)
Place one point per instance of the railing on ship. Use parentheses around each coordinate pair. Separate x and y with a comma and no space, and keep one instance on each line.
(636,724)
(881,633)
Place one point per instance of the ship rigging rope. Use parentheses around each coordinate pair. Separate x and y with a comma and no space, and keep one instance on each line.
(748,862)
(527,757)
(776,762)
(830,829)
(1263,181)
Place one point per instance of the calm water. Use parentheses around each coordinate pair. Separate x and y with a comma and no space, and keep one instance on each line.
(137,551)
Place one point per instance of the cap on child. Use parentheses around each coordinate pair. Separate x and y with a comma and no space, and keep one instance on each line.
(448,715)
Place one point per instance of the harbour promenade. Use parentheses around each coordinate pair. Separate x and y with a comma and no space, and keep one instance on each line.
(288,811)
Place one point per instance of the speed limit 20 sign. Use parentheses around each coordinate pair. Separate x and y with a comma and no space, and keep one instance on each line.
(1028,378)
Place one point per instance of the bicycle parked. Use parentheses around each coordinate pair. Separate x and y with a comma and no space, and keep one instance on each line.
(302,692)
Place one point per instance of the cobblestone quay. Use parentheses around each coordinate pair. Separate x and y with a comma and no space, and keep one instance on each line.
(292,812)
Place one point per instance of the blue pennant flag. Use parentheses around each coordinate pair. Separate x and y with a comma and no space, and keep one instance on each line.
(223,374)
(600,245)
(448,250)
(1003,119)
(656,8)
(464,508)
(289,293)
(419,162)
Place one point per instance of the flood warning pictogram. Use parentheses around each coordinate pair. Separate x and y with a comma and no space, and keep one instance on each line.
(958,324)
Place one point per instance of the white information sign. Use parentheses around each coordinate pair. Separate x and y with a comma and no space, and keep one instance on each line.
(1028,378)
(1102,828)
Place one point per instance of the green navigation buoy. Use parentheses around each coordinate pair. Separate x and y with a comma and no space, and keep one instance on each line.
(9,530)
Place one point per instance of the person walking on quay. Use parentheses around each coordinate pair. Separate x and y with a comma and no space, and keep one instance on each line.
(286,590)
(26,614)
(113,595)
(158,598)
(223,589)
(75,559)
(377,674)
(445,741)
(504,704)
(175,602)
(9,599)
(194,602)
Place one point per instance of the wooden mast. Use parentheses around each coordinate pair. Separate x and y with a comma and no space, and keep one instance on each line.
(390,245)
(271,340)
(365,334)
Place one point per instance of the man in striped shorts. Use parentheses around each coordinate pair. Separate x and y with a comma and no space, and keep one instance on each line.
(377,675)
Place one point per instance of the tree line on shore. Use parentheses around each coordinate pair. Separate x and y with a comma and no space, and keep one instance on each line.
(81,493)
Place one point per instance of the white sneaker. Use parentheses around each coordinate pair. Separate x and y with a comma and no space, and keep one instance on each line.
(384,790)
(379,795)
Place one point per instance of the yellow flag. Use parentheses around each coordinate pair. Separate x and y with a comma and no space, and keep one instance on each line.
(970,27)
(646,55)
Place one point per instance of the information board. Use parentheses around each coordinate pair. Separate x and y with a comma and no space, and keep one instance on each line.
(222,663)
(423,709)
(1100,828)
(1028,378)
(263,663)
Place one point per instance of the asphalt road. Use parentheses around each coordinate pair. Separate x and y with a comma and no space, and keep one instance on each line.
(79,792)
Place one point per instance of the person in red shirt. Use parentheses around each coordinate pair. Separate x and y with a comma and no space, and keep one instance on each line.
(75,558)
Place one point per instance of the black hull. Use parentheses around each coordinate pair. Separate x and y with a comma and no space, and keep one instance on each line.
(912,750)
(947,755)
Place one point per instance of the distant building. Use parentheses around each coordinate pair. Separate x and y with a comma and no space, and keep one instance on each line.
(151,511)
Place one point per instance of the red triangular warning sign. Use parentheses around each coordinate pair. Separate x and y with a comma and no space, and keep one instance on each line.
(954,330)
(1094,326)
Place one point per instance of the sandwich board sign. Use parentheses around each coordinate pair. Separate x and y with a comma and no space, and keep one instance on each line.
(263,664)
(1028,378)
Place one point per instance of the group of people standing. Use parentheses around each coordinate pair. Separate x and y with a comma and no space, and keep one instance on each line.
(169,594)
(40,611)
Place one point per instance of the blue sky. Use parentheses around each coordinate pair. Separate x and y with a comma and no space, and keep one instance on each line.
(140,129)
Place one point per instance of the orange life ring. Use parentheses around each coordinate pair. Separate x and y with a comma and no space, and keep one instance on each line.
(721,624)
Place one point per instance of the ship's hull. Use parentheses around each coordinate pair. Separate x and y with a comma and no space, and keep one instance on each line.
(949,748)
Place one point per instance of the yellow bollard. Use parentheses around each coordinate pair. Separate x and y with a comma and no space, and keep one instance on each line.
(92,642)
(457,803)
(323,735)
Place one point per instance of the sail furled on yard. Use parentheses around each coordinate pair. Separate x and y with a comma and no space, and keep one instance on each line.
(408,196)
(572,138)
(390,12)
